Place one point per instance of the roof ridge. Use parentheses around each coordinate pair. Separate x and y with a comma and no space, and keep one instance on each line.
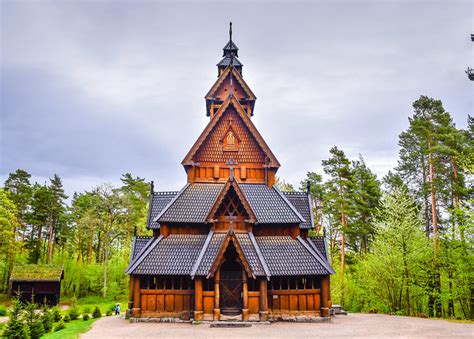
(293,208)
(259,254)
(294,193)
(314,254)
(201,254)
(165,192)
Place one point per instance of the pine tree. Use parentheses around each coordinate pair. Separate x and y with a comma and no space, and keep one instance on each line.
(33,321)
(339,199)
(16,327)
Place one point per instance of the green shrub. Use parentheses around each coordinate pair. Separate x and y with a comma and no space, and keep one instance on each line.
(3,311)
(86,310)
(112,308)
(96,314)
(56,314)
(66,318)
(73,313)
(48,319)
(16,327)
(34,321)
(85,317)
(108,313)
(59,326)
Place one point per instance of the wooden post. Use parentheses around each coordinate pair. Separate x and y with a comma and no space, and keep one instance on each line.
(295,231)
(198,301)
(136,311)
(217,310)
(164,230)
(245,289)
(263,300)
(325,296)
(130,294)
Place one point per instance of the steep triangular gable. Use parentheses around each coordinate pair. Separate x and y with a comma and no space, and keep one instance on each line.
(236,75)
(250,128)
(220,256)
(224,193)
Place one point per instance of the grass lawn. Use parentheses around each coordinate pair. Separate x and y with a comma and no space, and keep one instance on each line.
(72,331)
(91,302)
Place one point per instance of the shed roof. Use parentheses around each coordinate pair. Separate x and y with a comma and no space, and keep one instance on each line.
(37,273)
(302,203)
(287,256)
(269,205)
(158,201)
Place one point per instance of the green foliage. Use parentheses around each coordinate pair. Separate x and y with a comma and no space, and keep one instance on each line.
(16,326)
(34,321)
(66,318)
(96,313)
(86,310)
(59,326)
(85,317)
(108,313)
(47,319)
(56,314)
(73,312)
(3,311)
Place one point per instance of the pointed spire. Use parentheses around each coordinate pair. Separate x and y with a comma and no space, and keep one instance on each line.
(230,48)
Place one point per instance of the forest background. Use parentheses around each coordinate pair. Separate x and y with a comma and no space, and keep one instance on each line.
(401,244)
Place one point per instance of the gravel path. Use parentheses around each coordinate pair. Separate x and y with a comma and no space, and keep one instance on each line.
(353,325)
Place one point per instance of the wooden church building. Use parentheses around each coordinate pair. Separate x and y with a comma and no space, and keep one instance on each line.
(229,244)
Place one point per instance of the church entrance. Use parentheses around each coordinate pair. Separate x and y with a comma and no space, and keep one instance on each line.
(231,284)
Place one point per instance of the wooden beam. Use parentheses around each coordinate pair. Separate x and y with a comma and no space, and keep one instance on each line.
(136,311)
(263,300)
(245,292)
(325,296)
(198,302)
(217,310)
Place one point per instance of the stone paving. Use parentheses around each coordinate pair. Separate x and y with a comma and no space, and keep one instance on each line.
(350,326)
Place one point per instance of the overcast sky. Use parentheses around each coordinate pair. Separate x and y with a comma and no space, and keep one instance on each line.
(94,89)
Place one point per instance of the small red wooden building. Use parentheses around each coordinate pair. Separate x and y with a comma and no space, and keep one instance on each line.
(229,245)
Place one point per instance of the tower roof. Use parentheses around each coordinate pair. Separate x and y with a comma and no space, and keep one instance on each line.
(231,52)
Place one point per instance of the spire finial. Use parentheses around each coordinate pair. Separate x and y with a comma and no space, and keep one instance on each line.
(230,31)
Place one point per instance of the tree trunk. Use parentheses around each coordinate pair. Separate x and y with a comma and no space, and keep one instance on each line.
(437,280)
(106,261)
(343,223)
(425,198)
(50,244)
(89,255)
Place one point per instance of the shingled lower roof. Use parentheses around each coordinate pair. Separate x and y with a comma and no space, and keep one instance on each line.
(158,202)
(138,244)
(286,256)
(269,205)
(302,203)
(192,204)
(210,253)
(251,254)
(174,255)
(320,243)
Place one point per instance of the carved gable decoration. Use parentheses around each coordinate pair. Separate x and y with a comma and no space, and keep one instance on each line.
(230,138)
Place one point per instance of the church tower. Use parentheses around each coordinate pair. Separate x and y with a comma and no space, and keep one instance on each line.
(230,142)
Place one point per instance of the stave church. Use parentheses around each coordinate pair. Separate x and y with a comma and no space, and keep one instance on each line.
(229,245)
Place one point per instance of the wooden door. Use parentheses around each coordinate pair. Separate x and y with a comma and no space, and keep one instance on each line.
(231,285)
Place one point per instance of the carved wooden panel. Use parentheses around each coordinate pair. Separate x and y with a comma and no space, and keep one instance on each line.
(213,150)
